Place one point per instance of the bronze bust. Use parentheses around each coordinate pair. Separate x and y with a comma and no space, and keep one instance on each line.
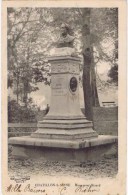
(65,39)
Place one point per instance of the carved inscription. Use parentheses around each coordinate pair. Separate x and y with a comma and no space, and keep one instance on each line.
(59,86)
(65,68)
(59,68)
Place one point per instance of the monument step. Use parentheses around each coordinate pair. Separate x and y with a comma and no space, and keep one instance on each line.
(64,121)
(76,117)
(64,126)
(67,132)
(65,137)
(64,134)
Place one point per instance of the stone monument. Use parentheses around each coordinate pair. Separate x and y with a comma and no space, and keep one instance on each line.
(64,133)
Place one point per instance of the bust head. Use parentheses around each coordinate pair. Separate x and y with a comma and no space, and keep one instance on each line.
(64,29)
(66,39)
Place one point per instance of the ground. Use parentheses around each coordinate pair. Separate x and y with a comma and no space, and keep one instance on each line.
(107,167)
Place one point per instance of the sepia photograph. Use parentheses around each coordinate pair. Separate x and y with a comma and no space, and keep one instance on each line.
(62,90)
(62,97)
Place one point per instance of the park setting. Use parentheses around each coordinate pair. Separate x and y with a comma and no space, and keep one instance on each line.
(62,91)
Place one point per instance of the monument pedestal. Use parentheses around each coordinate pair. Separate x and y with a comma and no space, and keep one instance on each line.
(65,133)
(65,120)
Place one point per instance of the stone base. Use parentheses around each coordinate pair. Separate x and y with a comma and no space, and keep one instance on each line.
(60,150)
(65,128)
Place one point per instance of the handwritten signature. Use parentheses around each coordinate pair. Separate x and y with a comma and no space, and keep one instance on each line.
(63,190)
(87,188)
(27,188)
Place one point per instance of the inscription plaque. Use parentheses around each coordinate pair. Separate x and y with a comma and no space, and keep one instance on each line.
(59,86)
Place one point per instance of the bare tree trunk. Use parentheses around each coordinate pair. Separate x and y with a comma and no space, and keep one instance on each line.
(89,77)
(26,81)
(17,94)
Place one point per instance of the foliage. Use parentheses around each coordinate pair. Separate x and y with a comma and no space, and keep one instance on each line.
(17,113)
(103,30)
(113,74)
(26,56)
(33,31)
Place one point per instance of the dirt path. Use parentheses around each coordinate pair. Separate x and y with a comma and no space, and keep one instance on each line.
(106,167)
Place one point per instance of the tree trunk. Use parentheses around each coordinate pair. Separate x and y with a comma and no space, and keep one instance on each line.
(89,77)
(26,80)
(17,89)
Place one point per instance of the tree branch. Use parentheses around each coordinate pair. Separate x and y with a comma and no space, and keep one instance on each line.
(18,36)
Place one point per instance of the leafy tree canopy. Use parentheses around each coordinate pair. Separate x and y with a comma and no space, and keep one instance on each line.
(32,32)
